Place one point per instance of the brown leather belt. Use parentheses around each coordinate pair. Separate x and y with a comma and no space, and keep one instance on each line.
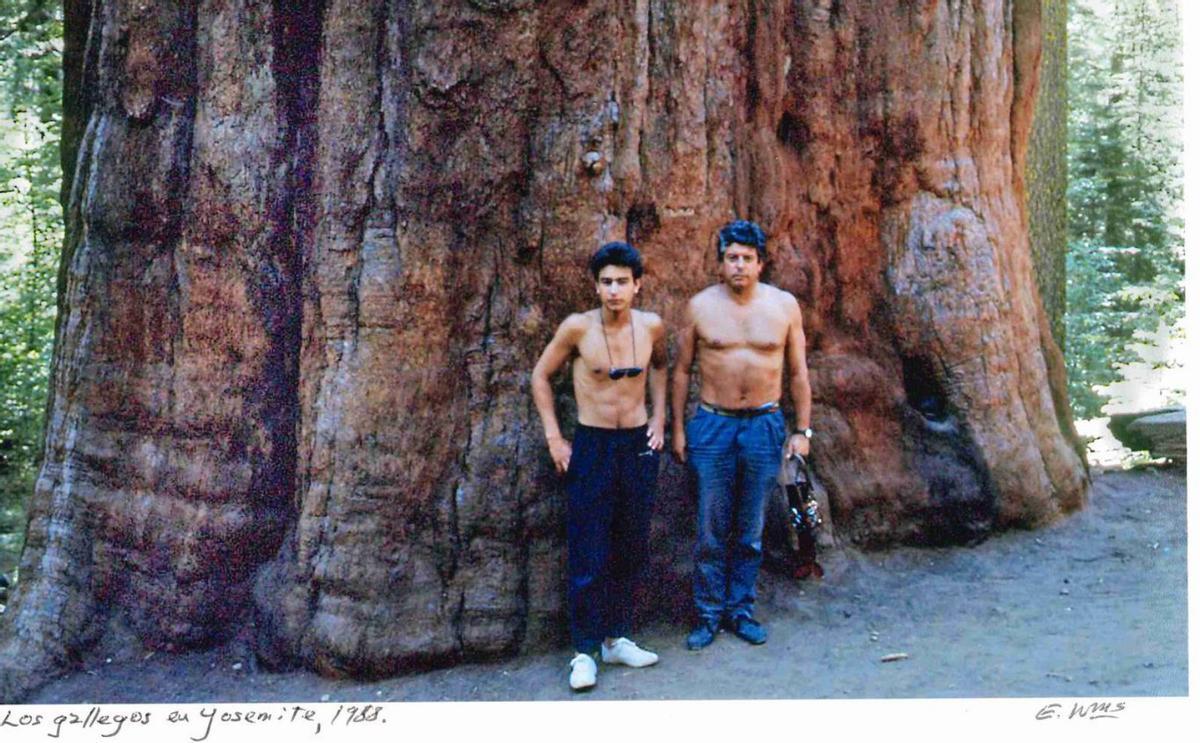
(763,409)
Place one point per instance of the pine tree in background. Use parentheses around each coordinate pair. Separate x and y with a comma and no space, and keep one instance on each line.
(1125,258)
(30,239)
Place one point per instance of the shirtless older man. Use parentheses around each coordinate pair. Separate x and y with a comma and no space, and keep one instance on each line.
(742,332)
(612,468)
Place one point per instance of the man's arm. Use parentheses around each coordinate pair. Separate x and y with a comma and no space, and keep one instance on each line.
(658,385)
(798,379)
(681,377)
(555,354)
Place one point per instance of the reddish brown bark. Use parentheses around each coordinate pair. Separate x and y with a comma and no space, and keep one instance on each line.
(316,248)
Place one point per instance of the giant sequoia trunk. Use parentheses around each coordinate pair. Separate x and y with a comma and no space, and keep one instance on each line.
(315,247)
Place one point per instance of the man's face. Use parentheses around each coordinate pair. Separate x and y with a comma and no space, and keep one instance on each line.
(616,287)
(740,266)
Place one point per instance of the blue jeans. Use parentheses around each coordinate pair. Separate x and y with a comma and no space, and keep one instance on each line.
(611,485)
(736,461)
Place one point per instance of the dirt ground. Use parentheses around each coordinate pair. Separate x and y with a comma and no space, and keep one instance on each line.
(1095,605)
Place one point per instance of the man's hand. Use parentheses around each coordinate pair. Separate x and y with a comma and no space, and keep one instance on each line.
(560,452)
(654,436)
(797,443)
(679,445)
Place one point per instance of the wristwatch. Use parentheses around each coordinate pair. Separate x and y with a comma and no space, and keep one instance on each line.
(805,432)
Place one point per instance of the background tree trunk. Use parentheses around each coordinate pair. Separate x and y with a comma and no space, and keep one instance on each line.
(314,249)
(1046,171)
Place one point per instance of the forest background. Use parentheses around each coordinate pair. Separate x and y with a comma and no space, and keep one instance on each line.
(1122,327)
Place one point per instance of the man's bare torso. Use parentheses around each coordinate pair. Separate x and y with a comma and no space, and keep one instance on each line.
(605,402)
(740,347)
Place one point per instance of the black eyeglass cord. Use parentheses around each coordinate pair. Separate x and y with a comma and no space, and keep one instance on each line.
(632,335)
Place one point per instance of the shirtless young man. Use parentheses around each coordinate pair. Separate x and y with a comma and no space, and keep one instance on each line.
(742,333)
(612,467)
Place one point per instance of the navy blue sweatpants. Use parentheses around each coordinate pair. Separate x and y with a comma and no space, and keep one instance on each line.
(611,485)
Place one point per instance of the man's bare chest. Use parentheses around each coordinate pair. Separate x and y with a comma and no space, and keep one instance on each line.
(598,351)
(762,331)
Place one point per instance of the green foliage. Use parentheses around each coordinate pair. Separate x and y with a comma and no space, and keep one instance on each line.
(30,240)
(1125,255)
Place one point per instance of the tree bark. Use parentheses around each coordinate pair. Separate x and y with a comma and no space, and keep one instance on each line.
(1046,171)
(315,248)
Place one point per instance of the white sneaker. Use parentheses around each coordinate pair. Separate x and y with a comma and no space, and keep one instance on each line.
(583,672)
(625,652)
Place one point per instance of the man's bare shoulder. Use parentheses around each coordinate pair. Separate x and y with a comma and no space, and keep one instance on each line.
(777,294)
(780,297)
(650,319)
(575,325)
(707,297)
